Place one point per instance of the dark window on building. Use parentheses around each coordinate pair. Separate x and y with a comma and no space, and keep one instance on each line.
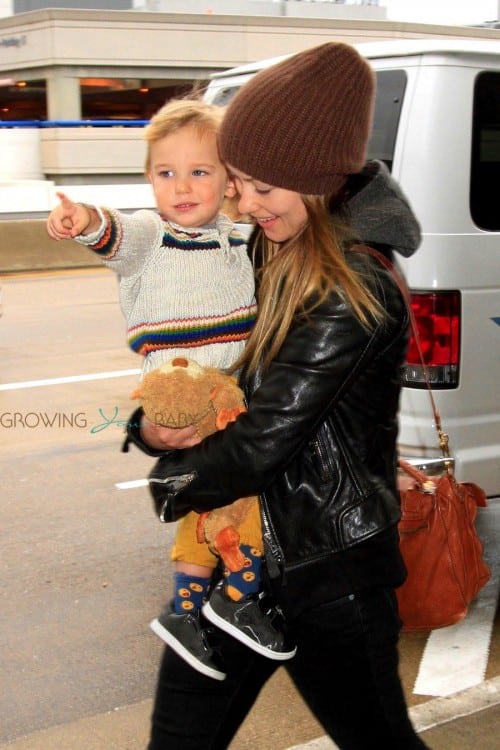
(101,98)
(126,99)
(485,166)
(24,100)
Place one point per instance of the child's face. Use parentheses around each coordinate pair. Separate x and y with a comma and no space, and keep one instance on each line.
(188,178)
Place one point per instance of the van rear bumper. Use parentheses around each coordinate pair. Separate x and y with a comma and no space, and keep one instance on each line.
(431,466)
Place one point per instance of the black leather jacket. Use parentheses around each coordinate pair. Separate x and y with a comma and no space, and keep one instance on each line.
(318,445)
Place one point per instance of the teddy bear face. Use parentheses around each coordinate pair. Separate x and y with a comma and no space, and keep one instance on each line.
(182,392)
(174,398)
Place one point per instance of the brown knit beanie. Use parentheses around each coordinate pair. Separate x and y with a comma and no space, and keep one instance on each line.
(303,124)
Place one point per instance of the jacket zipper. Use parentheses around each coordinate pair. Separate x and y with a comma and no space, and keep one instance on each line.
(322,454)
(274,554)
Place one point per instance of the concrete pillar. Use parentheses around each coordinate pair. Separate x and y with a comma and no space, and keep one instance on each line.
(63,98)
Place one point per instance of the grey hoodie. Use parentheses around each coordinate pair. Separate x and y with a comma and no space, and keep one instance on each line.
(380,212)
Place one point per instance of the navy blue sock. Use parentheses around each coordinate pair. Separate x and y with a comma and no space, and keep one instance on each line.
(245,582)
(189,592)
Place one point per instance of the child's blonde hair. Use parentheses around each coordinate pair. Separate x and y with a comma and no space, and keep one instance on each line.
(178,114)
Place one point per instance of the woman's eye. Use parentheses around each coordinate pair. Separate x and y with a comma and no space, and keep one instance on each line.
(262,191)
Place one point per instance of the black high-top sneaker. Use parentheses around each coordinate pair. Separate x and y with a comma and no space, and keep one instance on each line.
(186,636)
(249,621)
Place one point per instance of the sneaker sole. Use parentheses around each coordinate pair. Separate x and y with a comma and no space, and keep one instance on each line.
(224,625)
(182,651)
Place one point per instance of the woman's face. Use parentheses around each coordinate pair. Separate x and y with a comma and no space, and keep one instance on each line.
(280,213)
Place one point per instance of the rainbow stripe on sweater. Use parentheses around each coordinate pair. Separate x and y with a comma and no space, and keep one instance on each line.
(108,245)
(192,332)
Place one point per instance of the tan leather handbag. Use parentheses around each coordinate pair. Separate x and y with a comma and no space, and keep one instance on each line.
(441,549)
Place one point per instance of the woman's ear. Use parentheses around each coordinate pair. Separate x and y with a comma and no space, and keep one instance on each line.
(230,190)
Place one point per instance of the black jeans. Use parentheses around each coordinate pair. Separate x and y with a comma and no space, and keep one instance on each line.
(346,669)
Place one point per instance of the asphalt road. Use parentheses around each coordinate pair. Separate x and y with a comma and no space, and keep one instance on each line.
(84,565)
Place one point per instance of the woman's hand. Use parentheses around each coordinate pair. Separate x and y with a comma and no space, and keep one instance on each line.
(168,438)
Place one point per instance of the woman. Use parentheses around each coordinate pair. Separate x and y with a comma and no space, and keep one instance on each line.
(322,374)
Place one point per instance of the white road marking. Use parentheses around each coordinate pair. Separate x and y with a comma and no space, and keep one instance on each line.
(68,379)
(78,379)
(455,658)
(132,484)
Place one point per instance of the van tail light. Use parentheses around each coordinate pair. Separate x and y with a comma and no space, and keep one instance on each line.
(437,317)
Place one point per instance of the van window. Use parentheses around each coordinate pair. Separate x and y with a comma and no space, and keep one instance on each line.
(485,167)
(391,85)
(225,95)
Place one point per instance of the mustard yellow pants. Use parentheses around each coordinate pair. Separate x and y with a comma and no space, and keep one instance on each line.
(188,549)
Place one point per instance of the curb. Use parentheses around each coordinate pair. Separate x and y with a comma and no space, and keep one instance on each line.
(435,712)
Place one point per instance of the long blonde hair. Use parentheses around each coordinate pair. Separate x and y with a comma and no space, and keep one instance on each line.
(296,276)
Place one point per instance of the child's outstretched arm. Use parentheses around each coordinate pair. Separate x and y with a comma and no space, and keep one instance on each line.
(70,219)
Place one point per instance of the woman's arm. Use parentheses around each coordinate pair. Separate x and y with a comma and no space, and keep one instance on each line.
(317,364)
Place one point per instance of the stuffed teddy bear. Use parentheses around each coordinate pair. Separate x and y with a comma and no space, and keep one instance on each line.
(182,392)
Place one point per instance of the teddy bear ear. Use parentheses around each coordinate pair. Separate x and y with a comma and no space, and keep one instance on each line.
(225,416)
(135,394)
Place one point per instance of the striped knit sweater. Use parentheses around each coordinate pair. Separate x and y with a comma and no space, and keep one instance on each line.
(186,292)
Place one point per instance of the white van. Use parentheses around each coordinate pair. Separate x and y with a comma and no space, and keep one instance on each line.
(437,127)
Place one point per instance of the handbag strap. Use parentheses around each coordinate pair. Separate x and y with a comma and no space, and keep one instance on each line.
(426,483)
(401,283)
